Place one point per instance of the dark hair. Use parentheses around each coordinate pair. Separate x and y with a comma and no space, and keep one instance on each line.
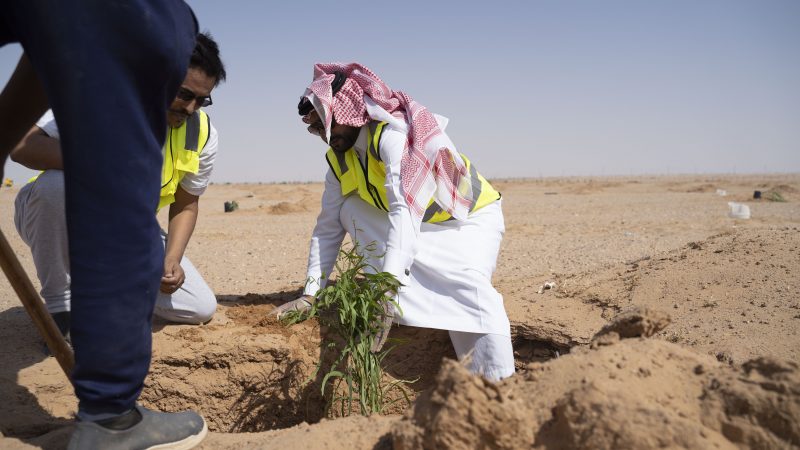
(206,57)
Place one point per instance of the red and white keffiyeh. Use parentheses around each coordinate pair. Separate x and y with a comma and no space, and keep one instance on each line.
(428,169)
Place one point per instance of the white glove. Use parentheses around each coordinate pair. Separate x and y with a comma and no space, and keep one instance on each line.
(384,325)
(300,304)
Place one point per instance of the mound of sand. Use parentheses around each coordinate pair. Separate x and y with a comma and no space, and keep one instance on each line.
(702,188)
(464,411)
(286,208)
(781,188)
(632,394)
(732,295)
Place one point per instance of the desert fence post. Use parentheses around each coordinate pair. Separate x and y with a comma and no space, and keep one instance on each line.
(35,306)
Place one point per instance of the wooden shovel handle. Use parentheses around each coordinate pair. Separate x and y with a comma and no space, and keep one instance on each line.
(35,306)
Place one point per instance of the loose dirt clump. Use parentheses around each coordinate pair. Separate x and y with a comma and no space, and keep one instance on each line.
(464,411)
(594,416)
(636,321)
(756,407)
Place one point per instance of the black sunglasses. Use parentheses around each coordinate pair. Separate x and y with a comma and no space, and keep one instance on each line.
(187,96)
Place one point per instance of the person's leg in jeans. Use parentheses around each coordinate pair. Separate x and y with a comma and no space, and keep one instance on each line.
(109,69)
(109,94)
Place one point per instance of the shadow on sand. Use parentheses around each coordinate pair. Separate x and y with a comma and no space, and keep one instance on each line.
(21,415)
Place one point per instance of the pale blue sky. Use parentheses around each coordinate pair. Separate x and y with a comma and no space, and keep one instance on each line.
(532,88)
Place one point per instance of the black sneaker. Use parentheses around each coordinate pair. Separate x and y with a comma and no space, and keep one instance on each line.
(141,429)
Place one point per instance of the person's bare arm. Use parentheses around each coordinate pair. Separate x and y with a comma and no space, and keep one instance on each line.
(22,102)
(38,151)
(182,219)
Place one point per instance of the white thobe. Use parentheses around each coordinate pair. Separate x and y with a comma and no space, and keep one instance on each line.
(445,268)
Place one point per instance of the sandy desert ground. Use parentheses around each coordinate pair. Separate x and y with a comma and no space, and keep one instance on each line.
(670,325)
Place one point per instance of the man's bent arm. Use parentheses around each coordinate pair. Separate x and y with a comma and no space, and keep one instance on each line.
(327,237)
(182,219)
(22,102)
(38,151)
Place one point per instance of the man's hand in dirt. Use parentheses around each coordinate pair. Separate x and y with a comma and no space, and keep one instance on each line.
(173,277)
(383,325)
(301,305)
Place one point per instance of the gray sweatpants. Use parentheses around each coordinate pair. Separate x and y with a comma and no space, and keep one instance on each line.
(40,218)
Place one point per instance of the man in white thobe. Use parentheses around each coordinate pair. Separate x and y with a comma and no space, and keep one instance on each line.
(396,179)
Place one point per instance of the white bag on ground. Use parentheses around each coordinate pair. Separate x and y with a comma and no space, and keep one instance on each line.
(738,210)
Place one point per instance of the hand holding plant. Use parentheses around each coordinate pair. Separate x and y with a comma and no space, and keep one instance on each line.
(383,326)
(301,304)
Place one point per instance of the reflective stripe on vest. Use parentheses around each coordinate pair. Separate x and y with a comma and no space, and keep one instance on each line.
(368,179)
(182,154)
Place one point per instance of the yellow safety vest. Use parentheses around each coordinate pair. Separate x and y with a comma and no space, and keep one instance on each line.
(368,179)
(181,154)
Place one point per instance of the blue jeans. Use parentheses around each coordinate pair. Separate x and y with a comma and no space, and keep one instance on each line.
(110,70)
